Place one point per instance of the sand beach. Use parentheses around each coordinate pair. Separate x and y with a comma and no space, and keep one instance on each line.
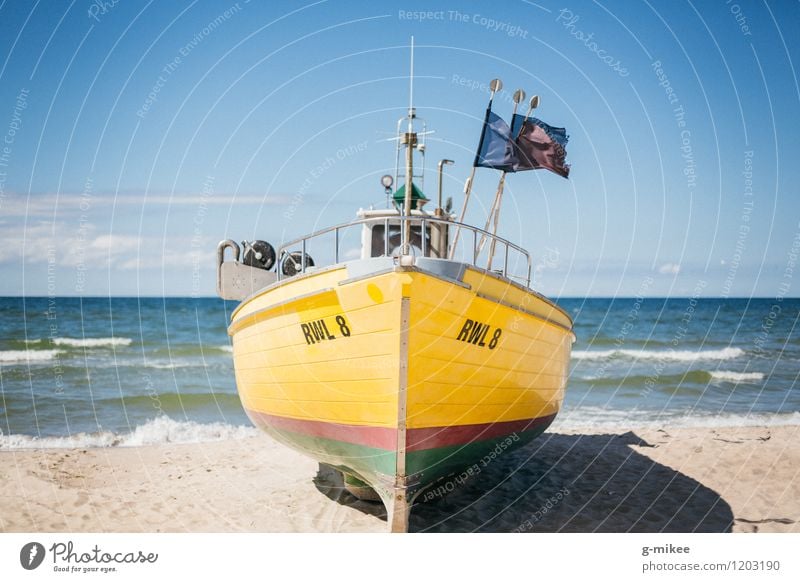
(725,479)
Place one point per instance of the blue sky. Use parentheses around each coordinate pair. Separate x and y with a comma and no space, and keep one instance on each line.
(136,135)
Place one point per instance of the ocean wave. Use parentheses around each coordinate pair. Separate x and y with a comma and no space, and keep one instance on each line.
(92,342)
(192,350)
(160,430)
(168,402)
(737,377)
(171,365)
(27,356)
(689,377)
(649,343)
(197,362)
(596,417)
(663,355)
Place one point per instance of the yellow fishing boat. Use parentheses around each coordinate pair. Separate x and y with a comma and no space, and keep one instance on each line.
(406,365)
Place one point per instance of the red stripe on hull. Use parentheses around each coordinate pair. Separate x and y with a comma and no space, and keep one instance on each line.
(420,439)
(417,439)
(370,436)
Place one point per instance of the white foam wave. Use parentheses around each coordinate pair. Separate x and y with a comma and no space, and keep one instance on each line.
(595,417)
(226,348)
(164,364)
(737,377)
(27,356)
(92,342)
(33,341)
(161,430)
(588,378)
(663,355)
(173,365)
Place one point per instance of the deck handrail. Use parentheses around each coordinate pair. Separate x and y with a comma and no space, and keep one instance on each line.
(403,220)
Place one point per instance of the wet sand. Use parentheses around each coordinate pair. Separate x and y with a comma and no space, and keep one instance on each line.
(681,480)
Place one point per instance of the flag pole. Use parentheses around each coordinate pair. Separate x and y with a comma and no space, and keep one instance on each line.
(495,85)
(494,215)
(533,104)
(498,198)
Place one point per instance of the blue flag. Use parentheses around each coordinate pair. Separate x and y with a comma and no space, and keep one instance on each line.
(496,149)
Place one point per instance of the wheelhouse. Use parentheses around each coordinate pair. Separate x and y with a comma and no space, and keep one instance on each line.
(382,234)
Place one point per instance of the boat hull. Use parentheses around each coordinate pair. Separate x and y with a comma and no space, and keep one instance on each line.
(401,376)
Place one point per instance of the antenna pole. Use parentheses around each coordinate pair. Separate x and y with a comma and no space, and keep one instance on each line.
(411,86)
(409,139)
(467,192)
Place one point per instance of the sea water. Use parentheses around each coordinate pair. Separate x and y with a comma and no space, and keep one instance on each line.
(134,371)
(683,362)
(116,372)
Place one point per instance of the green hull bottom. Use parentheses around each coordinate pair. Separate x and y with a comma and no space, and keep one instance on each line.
(424,468)
(430,466)
(371,465)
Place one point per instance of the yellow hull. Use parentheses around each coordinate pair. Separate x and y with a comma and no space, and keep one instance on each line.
(400,376)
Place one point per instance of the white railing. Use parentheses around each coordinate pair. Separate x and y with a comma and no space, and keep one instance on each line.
(479,238)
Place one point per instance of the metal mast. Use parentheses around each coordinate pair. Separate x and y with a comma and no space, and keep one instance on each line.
(410,141)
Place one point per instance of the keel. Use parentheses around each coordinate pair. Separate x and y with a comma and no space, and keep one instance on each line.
(398,511)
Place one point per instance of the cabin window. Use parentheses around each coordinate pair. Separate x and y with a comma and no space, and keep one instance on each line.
(396,241)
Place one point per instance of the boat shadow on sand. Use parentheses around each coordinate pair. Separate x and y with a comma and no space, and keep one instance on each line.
(561,483)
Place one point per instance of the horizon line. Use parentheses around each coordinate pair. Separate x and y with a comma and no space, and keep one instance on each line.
(549,297)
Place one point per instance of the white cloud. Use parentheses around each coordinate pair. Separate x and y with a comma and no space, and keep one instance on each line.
(35,242)
(56,205)
(133,264)
(220,200)
(88,247)
(669,269)
(115,243)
